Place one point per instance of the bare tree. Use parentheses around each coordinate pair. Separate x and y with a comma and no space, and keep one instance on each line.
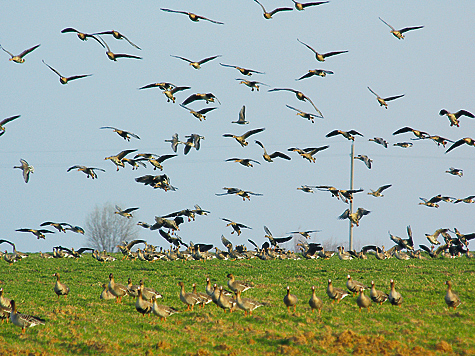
(105,229)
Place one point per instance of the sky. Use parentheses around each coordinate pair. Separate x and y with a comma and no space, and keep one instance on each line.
(60,124)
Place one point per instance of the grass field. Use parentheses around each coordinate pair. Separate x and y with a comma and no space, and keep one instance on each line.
(84,324)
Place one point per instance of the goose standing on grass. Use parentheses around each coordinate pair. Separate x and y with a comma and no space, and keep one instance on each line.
(382,101)
(246,304)
(190,299)
(59,287)
(377,296)
(225,302)
(26,169)
(116,289)
(354,286)
(235,285)
(6,121)
(19,58)
(162,311)
(451,299)
(454,117)
(315,302)
(23,320)
(105,294)
(290,300)
(335,293)
(363,301)
(141,305)
(399,33)
(395,298)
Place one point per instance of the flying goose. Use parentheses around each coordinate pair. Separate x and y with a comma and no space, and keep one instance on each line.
(122,133)
(454,117)
(365,159)
(417,133)
(200,114)
(26,169)
(81,35)
(379,140)
(354,217)
(377,193)
(305,115)
(244,71)
(318,72)
(382,101)
(38,233)
(117,159)
(469,141)
(253,84)
(242,139)
(308,152)
(89,171)
(155,160)
(118,36)
(455,171)
(193,17)
(19,58)
(321,56)
(268,15)
(236,226)
(65,80)
(125,213)
(349,135)
(242,117)
(246,162)
(174,142)
(301,96)
(399,33)
(197,64)
(207,97)
(114,56)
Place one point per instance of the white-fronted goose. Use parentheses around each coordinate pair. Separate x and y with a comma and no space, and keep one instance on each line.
(190,299)
(19,58)
(89,171)
(455,171)
(225,302)
(305,115)
(235,285)
(114,56)
(6,121)
(382,101)
(26,169)
(116,289)
(354,217)
(117,159)
(290,300)
(451,299)
(196,64)
(354,286)
(268,15)
(302,6)
(315,302)
(395,298)
(335,293)
(59,287)
(162,311)
(118,36)
(377,192)
(141,305)
(399,33)
(63,79)
(205,298)
(469,141)
(321,56)
(23,320)
(193,17)
(242,139)
(317,72)
(363,301)
(126,135)
(38,233)
(377,296)
(246,304)
(301,96)
(81,35)
(244,71)
(454,117)
(105,294)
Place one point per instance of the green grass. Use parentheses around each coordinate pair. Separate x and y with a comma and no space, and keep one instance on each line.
(84,324)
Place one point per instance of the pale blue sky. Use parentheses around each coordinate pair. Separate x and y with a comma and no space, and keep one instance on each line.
(59,124)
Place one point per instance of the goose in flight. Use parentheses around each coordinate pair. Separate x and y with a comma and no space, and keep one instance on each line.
(417,133)
(242,193)
(399,33)
(117,159)
(38,233)
(65,80)
(403,144)
(454,117)
(432,202)
(81,35)
(251,83)
(242,139)
(243,71)
(305,115)
(268,15)
(308,153)
(200,114)
(354,217)
(469,141)
(455,171)
(194,140)
(305,234)
(196,64)
(26,169)
(246,162)
(380,141)
(236,226)
(302,6)
(275,240)
(118,36)
(207,97)
(404,243)
(125,213)
(89,171)
(300,96)
(122,133)
(349,135)
(382,101)
(365,159)
(321,56)
(174,142)
(114,56)
(6,121)
(377,192)
(193,17)
(270,157)
(155,160)
(19,58)
(318,72)
(242,117)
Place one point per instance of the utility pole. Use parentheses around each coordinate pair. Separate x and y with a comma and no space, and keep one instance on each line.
(352,178)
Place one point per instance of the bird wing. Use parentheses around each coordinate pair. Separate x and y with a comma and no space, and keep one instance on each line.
(267,231)
(345,214)
(242,114)
(226,242)
(333,133)
(403,130)
(394,97)
(455,145)
(380,189)
(464,112)
(373,92)
(329,54)
(405,29)
(190,99)
(121,55)
(207,19)
(26,51)
(208,59)
(182,58)
(409,233)
(392,28)
(54,70)
(74,77)
(128,210)
(280,9)
(8,119)
(283,239)
(252,132)
(124,153)
(175,11)
(280,154)
(306,45)
(362,212)
(205,110)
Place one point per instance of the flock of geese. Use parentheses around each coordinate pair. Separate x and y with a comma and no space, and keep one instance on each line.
(226,299)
